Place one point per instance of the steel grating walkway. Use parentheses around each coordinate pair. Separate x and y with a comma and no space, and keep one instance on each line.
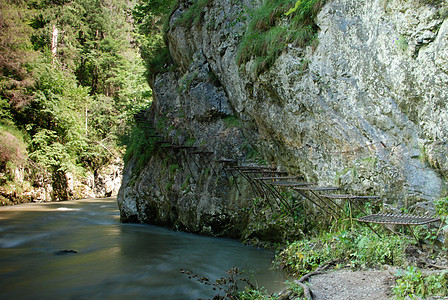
(398,219)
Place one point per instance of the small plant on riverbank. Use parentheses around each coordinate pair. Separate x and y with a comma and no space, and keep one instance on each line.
(413,283)
(431,234)
(358,248)
(255,294)
(230,285)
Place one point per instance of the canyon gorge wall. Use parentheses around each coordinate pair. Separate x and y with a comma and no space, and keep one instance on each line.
(364,109)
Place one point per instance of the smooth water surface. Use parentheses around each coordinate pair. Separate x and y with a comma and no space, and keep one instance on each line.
(113,260)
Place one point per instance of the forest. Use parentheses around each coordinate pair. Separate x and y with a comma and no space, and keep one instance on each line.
(71,78)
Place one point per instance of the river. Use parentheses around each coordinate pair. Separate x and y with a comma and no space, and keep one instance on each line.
(113,260)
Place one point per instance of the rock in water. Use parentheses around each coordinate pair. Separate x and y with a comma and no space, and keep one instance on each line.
(65,252)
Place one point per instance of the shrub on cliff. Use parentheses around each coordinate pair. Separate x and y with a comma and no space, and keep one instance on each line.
(273,26)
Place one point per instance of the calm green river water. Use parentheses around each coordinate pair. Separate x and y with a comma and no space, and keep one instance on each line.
(113,260)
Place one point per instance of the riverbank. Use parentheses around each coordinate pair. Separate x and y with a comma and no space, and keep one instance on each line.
(362,266)
(347,284)
(356,285)
(371,285)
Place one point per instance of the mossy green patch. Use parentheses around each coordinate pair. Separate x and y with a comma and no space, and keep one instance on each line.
(232,121)
(174,168)
(193,15)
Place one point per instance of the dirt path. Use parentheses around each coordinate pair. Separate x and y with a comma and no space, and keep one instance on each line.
(345,284)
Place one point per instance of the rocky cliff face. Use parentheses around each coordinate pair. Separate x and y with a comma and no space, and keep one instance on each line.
(43,187)
(364,109)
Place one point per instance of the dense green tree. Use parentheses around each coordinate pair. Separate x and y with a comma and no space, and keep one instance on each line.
(16,56)
(56,117)
(151,17)
(71,108)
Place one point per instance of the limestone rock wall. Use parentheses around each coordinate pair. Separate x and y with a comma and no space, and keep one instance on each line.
(43,187)
(183,185)
(365,110)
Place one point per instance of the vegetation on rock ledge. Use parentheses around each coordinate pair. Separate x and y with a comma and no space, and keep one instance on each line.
(273,26)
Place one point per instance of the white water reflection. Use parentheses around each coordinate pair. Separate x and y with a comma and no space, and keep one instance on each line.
(113,260)
(66,209)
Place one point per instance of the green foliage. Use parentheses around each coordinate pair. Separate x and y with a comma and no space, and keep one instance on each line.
(401,43)
(173,168)
(232,121)
(412,283)
(12,148)
(50,153)
(273,26)
(55,119)
(252,154)
(255,294)
(186,184)
(169,185)
(359,248)
(426,234)
(190,142)
(295,288)
(442,210)
(157,58)
(75,106)
(93,38)
(16,55)
(442,206)
(194,13)
(140,148)
(151,17)
(98,47)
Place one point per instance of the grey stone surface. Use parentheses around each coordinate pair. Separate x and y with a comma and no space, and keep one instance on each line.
(368,112)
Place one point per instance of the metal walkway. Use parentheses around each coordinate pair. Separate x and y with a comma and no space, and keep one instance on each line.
(397,219)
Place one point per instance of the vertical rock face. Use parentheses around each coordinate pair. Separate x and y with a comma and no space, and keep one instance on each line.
(184,184)
(366,110)
(371,104)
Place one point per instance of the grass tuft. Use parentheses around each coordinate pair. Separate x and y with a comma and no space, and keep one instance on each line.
(194,14)
(273,26)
